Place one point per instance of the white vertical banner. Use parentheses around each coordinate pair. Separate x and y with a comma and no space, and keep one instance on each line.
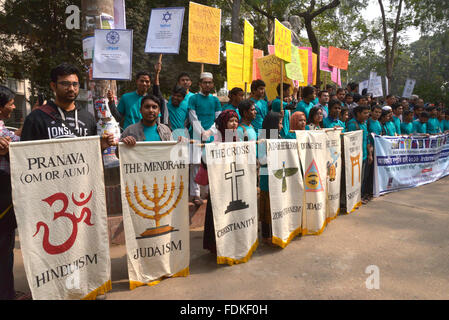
(363,85)
(333,165)
(313,154)
(232,173)
(164,30)
(155,188)
(353,158)
(113,52)
(59,201)
(286,190)
(372,79)
(408,88)
(119,14)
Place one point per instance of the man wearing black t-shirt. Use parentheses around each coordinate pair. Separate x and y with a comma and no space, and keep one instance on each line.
(61,118)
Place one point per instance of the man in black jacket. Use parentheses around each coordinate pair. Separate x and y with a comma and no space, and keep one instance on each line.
(62,118)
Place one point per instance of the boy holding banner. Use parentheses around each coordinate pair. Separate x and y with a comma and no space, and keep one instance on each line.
(361,114)
(307,102)
(235,97)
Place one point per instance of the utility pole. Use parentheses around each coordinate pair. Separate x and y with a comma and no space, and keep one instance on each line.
(91,11)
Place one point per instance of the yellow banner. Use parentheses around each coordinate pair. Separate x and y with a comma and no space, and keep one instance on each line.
(234,65)
(204,34)
(314,65)
(248,46)
(282,41)
(270,71)
(294,69)
(304,57)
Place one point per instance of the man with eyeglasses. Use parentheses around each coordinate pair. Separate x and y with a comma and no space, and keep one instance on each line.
(62,118)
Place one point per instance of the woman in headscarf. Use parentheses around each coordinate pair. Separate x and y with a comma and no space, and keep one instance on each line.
(226,123)
(297,122)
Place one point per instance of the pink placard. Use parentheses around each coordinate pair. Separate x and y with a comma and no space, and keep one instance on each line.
(310,69)
(256,55)
(334,74)
(324,56)
(270,49)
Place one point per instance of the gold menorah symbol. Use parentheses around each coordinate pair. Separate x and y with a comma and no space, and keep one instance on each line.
(355,161)
(157,206)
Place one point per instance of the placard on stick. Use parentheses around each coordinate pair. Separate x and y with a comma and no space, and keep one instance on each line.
(338,58)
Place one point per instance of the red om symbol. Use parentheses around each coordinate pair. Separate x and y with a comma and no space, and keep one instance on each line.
(52,249)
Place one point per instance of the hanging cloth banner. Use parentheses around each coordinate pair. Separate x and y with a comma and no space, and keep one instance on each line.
(333,172)
(164,30)
(353,159)
(234,65)
(155,210)
(313,155)
(286,190)
(204,34)
(232,177)
(59,200)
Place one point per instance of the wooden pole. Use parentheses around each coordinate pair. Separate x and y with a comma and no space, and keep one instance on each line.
(281,89)
(202,67)
(160,58)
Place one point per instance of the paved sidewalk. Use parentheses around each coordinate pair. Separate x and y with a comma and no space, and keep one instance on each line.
(404,234)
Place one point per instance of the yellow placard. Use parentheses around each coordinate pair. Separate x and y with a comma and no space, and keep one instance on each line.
(314,65)
(234,65)
(270,71)
(294,69)
(282,41)
(248,46)
(304,58)
(204,34)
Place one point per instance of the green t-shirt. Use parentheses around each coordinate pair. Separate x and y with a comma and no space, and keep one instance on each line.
(304,107)
(419,127)
(433,126)
(397,124)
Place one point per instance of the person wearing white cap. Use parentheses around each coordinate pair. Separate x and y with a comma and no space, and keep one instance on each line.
(204,108)
(389,126)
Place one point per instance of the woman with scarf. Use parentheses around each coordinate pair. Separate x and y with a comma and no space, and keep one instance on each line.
(226,123)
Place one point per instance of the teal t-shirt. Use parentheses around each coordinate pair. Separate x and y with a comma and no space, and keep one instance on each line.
(129,107)
(276,107)
(330,123)
(304,107)
(406,127)
(354,125)
(419,127)
(250,132)
(445,125)
(205,108)
(397,124)
(262,110)
(178,116)
(390,128)
(375,127)
(433,126)
(231,107)
(151,133)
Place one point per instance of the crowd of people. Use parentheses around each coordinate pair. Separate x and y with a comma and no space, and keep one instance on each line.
(200,116)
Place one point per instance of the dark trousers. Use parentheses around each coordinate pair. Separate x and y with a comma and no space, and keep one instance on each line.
(7,240)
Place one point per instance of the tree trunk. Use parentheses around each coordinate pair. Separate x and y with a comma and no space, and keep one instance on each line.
(315,46)
(235,22)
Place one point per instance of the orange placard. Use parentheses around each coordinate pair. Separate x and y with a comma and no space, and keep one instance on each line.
(338,58)
(256,72)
